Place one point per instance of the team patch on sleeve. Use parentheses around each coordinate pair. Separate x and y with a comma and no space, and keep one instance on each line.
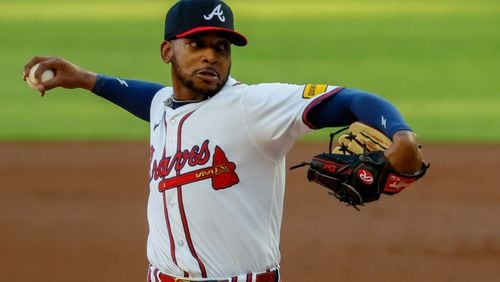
(311,90)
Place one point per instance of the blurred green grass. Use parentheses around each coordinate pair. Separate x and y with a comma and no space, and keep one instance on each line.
(437,61)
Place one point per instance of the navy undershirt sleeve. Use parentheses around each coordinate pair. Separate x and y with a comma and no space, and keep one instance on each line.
(350,105)
(132,95)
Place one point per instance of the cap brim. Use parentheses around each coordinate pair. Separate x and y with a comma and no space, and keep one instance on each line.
(236,38)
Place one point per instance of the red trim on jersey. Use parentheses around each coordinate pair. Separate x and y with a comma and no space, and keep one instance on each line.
(169,230)
(148,277)
(165,210)
(314,103)
(181,204)
(155,274)
(165,120)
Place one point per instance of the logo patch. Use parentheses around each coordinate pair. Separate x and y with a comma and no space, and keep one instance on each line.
(221,172)
(396,184)
(122,82)
(365,176)
(311,90)
(216,12)
(383,120)
(330,167)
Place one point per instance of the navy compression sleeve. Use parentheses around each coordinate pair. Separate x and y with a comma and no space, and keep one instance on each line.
(132,95)
(350,105)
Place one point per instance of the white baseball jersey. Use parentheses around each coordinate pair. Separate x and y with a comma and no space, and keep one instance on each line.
(217,177)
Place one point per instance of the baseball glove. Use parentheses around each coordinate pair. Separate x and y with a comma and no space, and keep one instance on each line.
(356,171)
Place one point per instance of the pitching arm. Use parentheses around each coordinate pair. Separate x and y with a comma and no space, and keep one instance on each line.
(132,95)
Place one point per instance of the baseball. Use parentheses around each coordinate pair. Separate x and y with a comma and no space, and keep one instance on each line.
(33,81)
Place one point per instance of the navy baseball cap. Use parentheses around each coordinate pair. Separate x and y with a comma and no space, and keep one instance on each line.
(189,17)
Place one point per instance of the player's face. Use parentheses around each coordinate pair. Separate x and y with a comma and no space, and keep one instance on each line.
(200,64)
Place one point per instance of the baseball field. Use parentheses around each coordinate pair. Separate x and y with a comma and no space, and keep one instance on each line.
(73,168)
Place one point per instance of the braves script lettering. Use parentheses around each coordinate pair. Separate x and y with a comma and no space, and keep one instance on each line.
(221,172)
(193,157)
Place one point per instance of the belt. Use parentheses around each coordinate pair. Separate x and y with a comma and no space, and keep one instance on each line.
(269,276)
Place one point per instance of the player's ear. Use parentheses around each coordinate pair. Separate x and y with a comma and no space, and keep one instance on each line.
(166,50)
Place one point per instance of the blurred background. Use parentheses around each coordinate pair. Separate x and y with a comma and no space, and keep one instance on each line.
(436,60)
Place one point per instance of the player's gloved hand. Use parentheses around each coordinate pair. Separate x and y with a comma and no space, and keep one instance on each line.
(67,75)
(357,171)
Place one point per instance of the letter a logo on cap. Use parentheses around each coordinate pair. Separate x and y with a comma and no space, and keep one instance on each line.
(216,12)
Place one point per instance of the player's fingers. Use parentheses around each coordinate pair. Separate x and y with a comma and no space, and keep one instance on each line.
(58,78)
(33,61)
(43,87)
(49,64)
(50,84)
(41,90)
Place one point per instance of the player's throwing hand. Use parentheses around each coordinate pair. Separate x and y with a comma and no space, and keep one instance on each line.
(66,74)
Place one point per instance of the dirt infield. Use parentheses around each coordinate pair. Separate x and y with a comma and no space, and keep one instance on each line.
(77,212)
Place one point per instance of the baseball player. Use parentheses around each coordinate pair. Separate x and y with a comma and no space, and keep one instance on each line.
(218,146)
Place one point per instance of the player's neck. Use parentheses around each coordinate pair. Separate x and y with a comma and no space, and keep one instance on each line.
(184,99)
(183,93)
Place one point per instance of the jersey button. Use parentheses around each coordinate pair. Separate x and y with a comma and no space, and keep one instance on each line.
(171,139)
(173,121)
(171,203)
(180,243)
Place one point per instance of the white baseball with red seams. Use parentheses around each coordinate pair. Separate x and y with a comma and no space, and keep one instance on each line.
(217,178)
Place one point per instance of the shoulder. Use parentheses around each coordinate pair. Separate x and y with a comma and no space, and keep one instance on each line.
(164,92)
(161,95)
(274,90)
